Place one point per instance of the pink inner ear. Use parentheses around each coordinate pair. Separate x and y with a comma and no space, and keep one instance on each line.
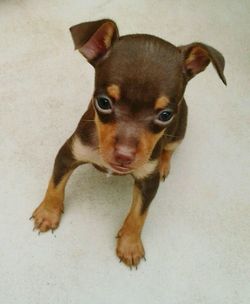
(197,60)
(99,43)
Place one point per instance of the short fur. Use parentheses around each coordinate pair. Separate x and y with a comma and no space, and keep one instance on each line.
(141,79)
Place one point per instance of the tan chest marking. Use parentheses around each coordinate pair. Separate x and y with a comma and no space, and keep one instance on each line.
(146,169)
(85,153)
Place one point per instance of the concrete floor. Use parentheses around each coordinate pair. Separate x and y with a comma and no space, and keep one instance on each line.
(197,236)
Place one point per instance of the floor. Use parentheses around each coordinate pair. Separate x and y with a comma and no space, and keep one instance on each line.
(197,236)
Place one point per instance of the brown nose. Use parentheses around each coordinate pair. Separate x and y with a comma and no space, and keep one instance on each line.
(124,155)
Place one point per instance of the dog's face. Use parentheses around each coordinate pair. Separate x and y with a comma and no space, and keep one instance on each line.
(139,86)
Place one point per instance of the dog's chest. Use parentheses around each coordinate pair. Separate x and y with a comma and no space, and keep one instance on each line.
(86,154)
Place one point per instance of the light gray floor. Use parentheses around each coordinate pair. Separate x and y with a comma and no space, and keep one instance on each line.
(197,236)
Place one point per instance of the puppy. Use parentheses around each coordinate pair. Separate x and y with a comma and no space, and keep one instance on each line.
(134,122)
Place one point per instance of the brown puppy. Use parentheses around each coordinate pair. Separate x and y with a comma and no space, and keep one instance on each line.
(134,122)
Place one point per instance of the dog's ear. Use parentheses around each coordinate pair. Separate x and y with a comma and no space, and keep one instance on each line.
(93,39)
(197,56)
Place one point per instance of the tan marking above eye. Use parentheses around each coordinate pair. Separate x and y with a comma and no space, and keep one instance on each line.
(161,102)
(114,91)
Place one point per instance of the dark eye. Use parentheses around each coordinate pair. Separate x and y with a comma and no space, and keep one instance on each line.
(103,104)
(164,116)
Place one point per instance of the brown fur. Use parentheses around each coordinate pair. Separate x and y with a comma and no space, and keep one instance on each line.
(142,75)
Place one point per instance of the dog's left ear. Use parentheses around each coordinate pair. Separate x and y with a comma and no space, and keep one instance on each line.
(197,56)
(93,39)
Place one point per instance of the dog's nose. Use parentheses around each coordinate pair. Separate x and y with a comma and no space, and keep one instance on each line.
(124,155)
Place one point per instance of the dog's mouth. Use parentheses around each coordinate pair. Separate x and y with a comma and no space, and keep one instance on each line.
(120,169)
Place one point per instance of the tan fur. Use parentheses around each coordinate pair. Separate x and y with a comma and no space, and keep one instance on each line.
(84,153)
(48,213)
(165,158)
(172,146)
(129,245)
(114,91)
(109,28)
(148,141)
(161,102)
(165,163)
(107,134)
(145,170)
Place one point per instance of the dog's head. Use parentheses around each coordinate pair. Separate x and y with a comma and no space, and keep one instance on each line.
(139,86)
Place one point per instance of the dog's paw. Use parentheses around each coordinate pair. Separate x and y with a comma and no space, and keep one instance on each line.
(130,249)
(46,218)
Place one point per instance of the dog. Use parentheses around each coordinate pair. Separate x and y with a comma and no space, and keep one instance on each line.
(134,122)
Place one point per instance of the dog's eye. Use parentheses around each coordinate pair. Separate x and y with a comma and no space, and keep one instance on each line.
(103,104)
(164,116)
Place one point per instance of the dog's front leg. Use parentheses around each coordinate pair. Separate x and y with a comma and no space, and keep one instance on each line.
(48,213)
(129,245)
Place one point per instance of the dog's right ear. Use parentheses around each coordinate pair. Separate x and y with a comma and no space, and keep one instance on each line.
(94,39)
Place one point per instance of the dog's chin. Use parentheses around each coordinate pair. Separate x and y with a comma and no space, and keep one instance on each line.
(120,169)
